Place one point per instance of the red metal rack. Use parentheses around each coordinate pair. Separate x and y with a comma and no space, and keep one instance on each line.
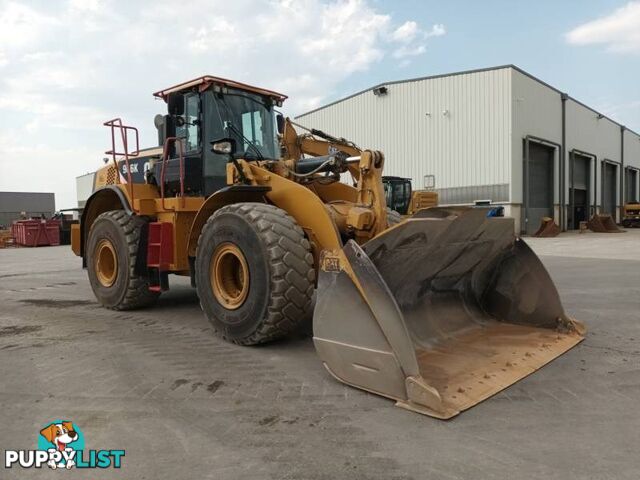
(124,130)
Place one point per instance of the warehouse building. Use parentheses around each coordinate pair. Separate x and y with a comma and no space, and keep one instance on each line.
(497,134)
(16,205)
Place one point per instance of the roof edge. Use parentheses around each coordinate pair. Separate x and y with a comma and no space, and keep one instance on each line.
(408,80)
(207,80)
(466,72)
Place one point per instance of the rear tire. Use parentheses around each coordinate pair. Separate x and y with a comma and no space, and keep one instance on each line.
(254,273)
(113,251)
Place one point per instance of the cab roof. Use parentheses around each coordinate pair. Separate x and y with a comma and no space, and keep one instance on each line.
(206,81)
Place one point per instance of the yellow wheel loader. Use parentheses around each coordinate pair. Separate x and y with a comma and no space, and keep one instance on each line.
(401,197)
(631,214)
(437,312)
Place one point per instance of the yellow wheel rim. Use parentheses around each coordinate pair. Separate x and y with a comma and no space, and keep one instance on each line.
(106,262)
(229,276)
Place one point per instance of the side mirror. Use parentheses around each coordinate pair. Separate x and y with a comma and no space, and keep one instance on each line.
(159,122)
(175,103)
(280,123)
(166,127)
(224,146)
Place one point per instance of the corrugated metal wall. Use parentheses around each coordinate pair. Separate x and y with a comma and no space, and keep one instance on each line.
(456,128)
(632,159)
(537,111)
(631,149)
(34,204)
(598,136)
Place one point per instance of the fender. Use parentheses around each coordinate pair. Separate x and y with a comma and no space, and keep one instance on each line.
(221,198)
(298,201)
(305,206)
(106,198)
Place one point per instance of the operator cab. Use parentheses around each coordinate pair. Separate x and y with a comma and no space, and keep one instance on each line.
(204,110)
(397,191)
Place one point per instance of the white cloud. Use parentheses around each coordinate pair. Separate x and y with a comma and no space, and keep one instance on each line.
(92,6)
(412,40)
(220,36)
(22,25)
(405,32)
(619,31)
(347,36)
(75,63)
(405,51)
(436,31)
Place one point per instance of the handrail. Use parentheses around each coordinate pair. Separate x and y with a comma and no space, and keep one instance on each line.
(124,133)
(165,153)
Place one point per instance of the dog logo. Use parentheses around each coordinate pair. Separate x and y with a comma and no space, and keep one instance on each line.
(60,435)
(61,446)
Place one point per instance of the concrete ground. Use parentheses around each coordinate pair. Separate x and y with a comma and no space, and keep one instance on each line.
(184,404)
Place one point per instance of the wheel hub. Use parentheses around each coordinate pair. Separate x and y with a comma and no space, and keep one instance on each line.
(229,276)
(106,262)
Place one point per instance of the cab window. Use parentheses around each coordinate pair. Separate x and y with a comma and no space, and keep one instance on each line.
(190,131)
(252,129)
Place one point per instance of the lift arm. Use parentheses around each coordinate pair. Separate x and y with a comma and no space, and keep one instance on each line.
(298,145)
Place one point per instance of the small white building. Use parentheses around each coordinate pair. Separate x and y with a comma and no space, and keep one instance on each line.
(84,187)
(496,134)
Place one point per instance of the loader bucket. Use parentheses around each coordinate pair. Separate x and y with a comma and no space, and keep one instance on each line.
(439,312)
(548,228)
(603,223)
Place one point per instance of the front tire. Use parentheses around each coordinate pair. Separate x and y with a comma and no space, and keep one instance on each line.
(254,273)
(113,252)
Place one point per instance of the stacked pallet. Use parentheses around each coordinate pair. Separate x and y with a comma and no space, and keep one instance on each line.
(6,239)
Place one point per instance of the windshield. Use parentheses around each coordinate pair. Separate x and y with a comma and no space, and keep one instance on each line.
(248,120)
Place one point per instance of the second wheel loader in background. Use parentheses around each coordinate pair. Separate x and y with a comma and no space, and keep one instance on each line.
(437,312)
(401,197)
(631,214)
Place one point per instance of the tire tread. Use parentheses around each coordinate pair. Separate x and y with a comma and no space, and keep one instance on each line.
(292,274)
(138,294)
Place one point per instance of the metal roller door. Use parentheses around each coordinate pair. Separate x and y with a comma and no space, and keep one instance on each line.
(580,190)
(631,185)
(540,185)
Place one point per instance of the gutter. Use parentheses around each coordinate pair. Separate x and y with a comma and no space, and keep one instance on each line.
(622,172)
(561,180)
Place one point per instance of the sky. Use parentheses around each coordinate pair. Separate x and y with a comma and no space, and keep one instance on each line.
(67,66)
